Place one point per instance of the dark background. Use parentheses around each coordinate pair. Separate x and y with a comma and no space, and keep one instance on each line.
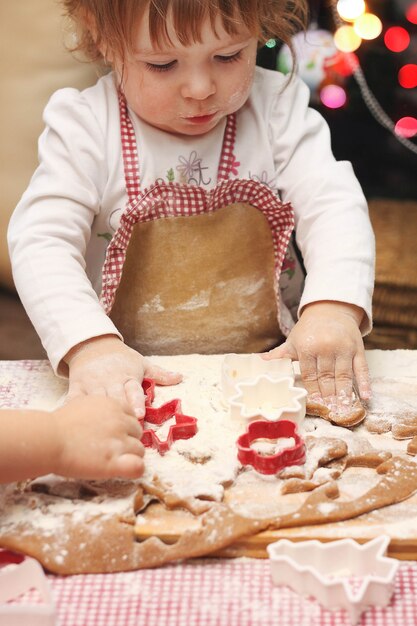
(384,167)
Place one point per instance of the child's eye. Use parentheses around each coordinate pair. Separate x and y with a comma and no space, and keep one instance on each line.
(164,67)
(230,58)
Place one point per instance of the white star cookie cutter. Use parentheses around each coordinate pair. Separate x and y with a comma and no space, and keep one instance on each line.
(339,574)
(17,579)
(270,399)
(239,368)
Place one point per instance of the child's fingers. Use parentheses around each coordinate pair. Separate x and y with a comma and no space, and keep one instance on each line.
(363,380)
(117,392)
(98,391)
(326,375)
(309,374)
(344,382)
(135,397)
(285,351)
(134,429)
(74,391)
(160,375)
(128,466)
(134,446)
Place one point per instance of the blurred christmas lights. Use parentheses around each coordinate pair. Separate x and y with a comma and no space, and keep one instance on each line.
(333,96)
(411,13)
(324,60)
(407,76)
(367,26)
(406,127)
(349,10)
(346,39)
(396,39)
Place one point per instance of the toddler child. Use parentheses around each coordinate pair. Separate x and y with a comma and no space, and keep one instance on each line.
(159,220)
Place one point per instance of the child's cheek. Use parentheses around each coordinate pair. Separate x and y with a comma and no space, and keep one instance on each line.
(238,96)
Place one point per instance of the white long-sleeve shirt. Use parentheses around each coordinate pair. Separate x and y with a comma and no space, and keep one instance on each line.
(60,229)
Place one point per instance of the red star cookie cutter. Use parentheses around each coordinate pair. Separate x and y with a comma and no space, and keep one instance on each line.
(271,463)
(185,426)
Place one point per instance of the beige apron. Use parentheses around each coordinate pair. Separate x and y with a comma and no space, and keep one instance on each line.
(196,271)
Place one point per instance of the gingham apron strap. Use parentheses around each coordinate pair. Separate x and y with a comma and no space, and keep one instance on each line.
(227,157)
(129,151)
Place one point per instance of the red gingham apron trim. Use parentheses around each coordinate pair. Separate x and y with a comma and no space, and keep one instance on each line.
(177,200)
(129,151)
(227,157)
(131,158)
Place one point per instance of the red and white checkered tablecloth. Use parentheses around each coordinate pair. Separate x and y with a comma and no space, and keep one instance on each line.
(207,592)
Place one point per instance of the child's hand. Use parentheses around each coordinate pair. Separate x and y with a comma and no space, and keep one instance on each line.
(328,344)
(106,366)
(96,439)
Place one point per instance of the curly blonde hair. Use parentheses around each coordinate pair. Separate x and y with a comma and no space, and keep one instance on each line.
(110,24)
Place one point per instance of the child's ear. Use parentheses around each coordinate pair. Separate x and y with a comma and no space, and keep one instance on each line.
(106,53)
(91,25)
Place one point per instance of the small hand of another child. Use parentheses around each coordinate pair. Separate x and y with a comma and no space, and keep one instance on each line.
(328,344)
(96,439)
(106,366)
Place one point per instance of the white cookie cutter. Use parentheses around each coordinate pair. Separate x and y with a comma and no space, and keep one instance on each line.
(270,399)
(238,368)
(17,579)
(322,570)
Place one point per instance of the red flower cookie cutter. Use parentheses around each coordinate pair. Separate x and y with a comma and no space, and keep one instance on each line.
(185,426)
(272,463)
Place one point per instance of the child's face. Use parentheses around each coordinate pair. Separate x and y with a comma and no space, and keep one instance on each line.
(188,90)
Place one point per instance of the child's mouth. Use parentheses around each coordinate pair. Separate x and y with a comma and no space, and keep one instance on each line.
(201,119)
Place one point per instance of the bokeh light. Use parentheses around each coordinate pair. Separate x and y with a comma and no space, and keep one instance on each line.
(346,39)
(396,39)
(407,76)
(343,63)
(406,127)
(368,26)
(350,9)
(411,13)
(333,96)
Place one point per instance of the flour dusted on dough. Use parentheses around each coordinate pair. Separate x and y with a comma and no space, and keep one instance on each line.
(202,465)
(393,408)
(4,491)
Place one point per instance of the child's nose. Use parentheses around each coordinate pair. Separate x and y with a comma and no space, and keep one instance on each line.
(199,86)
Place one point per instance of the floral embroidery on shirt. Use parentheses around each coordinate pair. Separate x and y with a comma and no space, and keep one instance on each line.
(188,167)
(191,170)
(288,265)
(234,168)
(263,179)
(106,236)
(113,225)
